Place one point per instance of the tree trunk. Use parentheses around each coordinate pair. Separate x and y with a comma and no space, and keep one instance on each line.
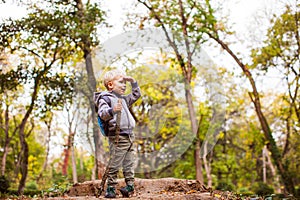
(254,95)
(24,146)
(264,151)
(186,71)
(96,133)
(24,160)
(192,115)
(74,170)
(7,141)
(86,48)
(47,150)
(198,163)
(3,162)
(93,176)
(207,166)
(24,153)
(67,154)
(273,172)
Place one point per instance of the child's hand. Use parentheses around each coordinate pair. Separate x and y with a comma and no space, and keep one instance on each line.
(129,79)
(118,106)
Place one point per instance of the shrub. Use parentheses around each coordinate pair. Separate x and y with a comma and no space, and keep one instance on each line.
(4,184)
(225,186)
(32,186)
(262,189)
(244,192)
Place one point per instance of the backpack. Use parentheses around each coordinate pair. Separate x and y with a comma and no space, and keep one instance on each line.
(103,124)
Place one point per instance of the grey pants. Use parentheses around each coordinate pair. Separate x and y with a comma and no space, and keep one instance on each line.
(123,156)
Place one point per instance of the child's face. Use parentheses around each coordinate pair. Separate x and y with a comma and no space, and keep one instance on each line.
(118,85)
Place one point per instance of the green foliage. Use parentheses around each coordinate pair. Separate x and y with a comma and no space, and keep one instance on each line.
(31,186)
(10,79)
(198,16)
(60,184)
(159,115)
(280,51)
(4,184)
(48,44)
(244,192)
(184,167)
(280,43)
(262,189)
(225,186)
(57,189)
(83,167)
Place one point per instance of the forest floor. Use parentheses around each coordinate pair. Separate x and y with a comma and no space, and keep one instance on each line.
(154,189)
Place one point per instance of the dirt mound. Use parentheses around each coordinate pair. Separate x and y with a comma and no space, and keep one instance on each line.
(165,188)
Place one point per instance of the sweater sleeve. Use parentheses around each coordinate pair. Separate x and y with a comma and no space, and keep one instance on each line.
(104,110)
(134,95)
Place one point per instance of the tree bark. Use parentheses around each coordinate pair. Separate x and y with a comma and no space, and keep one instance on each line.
(207,166)
(67,151)
(192,116)
(273,172)
(86,48)
(254,95)
(186,70)
(47,149)
(7,140)
(97,139)
(24,160)
(24,146)
(74,169)
(3,162)
(264,151)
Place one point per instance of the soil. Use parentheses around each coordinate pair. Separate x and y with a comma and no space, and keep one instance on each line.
(154,189)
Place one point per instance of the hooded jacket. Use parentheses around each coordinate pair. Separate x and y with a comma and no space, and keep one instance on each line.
(106,113)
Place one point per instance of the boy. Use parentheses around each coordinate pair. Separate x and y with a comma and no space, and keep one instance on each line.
(109,104)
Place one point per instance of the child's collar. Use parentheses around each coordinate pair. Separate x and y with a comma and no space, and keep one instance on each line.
(116,94)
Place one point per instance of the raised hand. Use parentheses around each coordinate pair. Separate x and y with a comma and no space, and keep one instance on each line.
(129,79)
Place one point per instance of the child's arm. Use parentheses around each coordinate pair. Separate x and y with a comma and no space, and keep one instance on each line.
(129,79)
(104,109)
(135,91)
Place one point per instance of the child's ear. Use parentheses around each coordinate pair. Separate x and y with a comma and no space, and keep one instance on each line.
(110,85)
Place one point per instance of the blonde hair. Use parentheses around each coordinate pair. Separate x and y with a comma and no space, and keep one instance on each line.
(112,75)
